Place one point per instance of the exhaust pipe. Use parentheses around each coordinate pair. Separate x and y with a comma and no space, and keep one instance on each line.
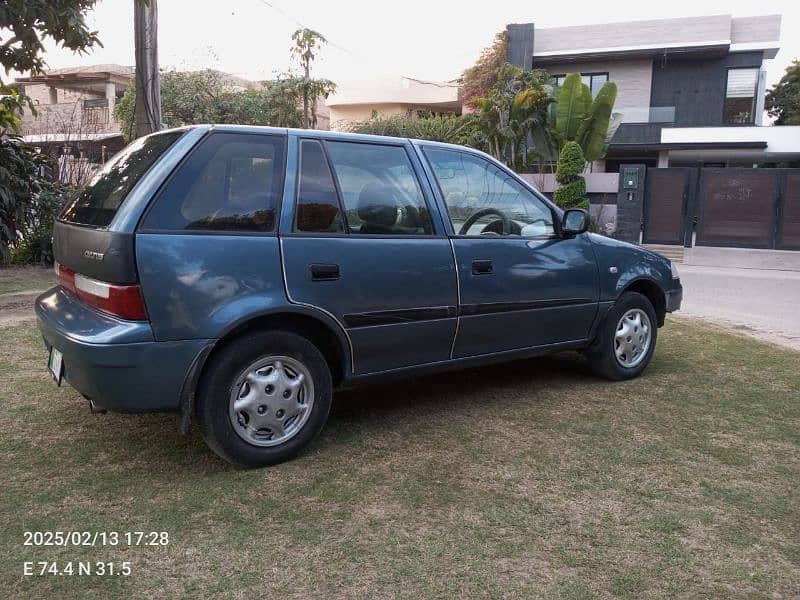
(94,409)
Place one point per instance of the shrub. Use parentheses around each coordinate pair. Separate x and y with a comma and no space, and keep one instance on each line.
(572,191)
(36,243)
(461,129)
(29,203)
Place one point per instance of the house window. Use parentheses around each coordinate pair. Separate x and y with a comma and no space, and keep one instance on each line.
(740,96)
(594,80)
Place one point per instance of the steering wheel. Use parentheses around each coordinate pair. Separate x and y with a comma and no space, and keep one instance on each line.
(482,213)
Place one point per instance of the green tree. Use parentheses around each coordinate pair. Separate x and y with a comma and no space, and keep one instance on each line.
(783,100)
(26,195)
(23,26)
(580,119)
(478,80)
(513,117)
(274,104)
(189,98)
(306,41)
(572,191)
(460,129)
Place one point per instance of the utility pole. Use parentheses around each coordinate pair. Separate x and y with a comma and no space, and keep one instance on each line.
(147,113)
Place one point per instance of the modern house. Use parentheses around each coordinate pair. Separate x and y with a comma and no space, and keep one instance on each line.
(690,90)
(688,131)
(74,120)
(359,101)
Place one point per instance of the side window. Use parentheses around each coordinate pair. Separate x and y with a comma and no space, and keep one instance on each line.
(483,199)
(317,201)
(231,182)
(380,191)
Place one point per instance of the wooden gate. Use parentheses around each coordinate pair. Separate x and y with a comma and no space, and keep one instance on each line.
(738,207)
(789,228)
(665,201)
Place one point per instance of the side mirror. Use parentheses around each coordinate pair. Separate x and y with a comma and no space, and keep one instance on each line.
(574,221)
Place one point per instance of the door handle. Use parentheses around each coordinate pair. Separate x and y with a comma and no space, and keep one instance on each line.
(482,267)
(320,272)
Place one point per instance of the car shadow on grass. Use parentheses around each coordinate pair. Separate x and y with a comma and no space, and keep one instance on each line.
(447,390)
(356,414)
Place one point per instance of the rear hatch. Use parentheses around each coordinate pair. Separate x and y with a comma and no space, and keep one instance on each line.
(92,260)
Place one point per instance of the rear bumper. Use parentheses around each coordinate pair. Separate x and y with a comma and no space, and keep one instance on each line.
(115,363)
(674,297)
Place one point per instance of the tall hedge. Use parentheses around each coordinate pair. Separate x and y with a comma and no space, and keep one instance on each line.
(572,191)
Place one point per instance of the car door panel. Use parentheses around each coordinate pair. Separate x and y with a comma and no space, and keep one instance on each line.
(521,284)
(364,249)
(538,292)
(396,298)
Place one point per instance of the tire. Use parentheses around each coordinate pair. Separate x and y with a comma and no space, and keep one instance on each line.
(246,386)
(603,355)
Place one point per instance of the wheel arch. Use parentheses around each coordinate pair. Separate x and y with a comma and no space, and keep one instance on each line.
(321,330)
(653,292)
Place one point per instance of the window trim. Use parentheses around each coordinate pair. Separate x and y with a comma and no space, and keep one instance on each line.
(752,122)
(589,74)
(298,170)
(323,141)
(451,233)
(140,228)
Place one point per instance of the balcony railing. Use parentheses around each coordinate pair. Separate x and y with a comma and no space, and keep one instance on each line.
(95,112)
(648,114)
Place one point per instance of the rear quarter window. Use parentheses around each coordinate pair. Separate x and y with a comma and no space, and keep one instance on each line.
(99,201)
(230,182)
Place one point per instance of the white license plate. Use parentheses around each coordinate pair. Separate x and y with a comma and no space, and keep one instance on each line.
(56,364)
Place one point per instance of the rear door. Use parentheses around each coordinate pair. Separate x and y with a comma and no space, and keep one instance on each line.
(207,247)
(522,284)
(363,245)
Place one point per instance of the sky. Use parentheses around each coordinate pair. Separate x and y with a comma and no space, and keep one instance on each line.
(424,39)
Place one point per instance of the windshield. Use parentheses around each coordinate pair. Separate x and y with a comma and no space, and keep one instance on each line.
(98,202)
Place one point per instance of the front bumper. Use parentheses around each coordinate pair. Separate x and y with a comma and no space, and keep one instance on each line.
(674,296)
(115,363)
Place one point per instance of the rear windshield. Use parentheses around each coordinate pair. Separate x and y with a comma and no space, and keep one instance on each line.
(98,202)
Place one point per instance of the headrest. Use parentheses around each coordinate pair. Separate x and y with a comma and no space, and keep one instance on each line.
(377,205)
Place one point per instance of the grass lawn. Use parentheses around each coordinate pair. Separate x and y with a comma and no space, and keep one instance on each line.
(22,279)
(532,479)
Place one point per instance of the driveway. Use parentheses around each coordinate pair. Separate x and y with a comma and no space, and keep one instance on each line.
(763,303)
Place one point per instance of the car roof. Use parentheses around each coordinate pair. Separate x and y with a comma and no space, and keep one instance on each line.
(327,135)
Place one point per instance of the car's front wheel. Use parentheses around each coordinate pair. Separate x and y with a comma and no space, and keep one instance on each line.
(626,339)
(263,398)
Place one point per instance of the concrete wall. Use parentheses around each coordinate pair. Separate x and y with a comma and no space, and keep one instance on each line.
(762,28)
(664,32)
(696,86)
(596,183)
(65,117)
(40,94)
(785,139)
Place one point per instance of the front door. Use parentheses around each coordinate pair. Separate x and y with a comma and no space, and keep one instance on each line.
(521,284)
(364,247)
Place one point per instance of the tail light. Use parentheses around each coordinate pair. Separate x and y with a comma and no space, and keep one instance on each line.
(124,301)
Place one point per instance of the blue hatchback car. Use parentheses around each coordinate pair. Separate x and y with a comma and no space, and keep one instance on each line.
(241,274)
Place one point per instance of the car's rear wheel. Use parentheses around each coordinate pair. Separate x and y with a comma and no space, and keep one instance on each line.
(263,398)
(626,339)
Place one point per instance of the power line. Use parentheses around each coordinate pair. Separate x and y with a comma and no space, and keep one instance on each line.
(297,22)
